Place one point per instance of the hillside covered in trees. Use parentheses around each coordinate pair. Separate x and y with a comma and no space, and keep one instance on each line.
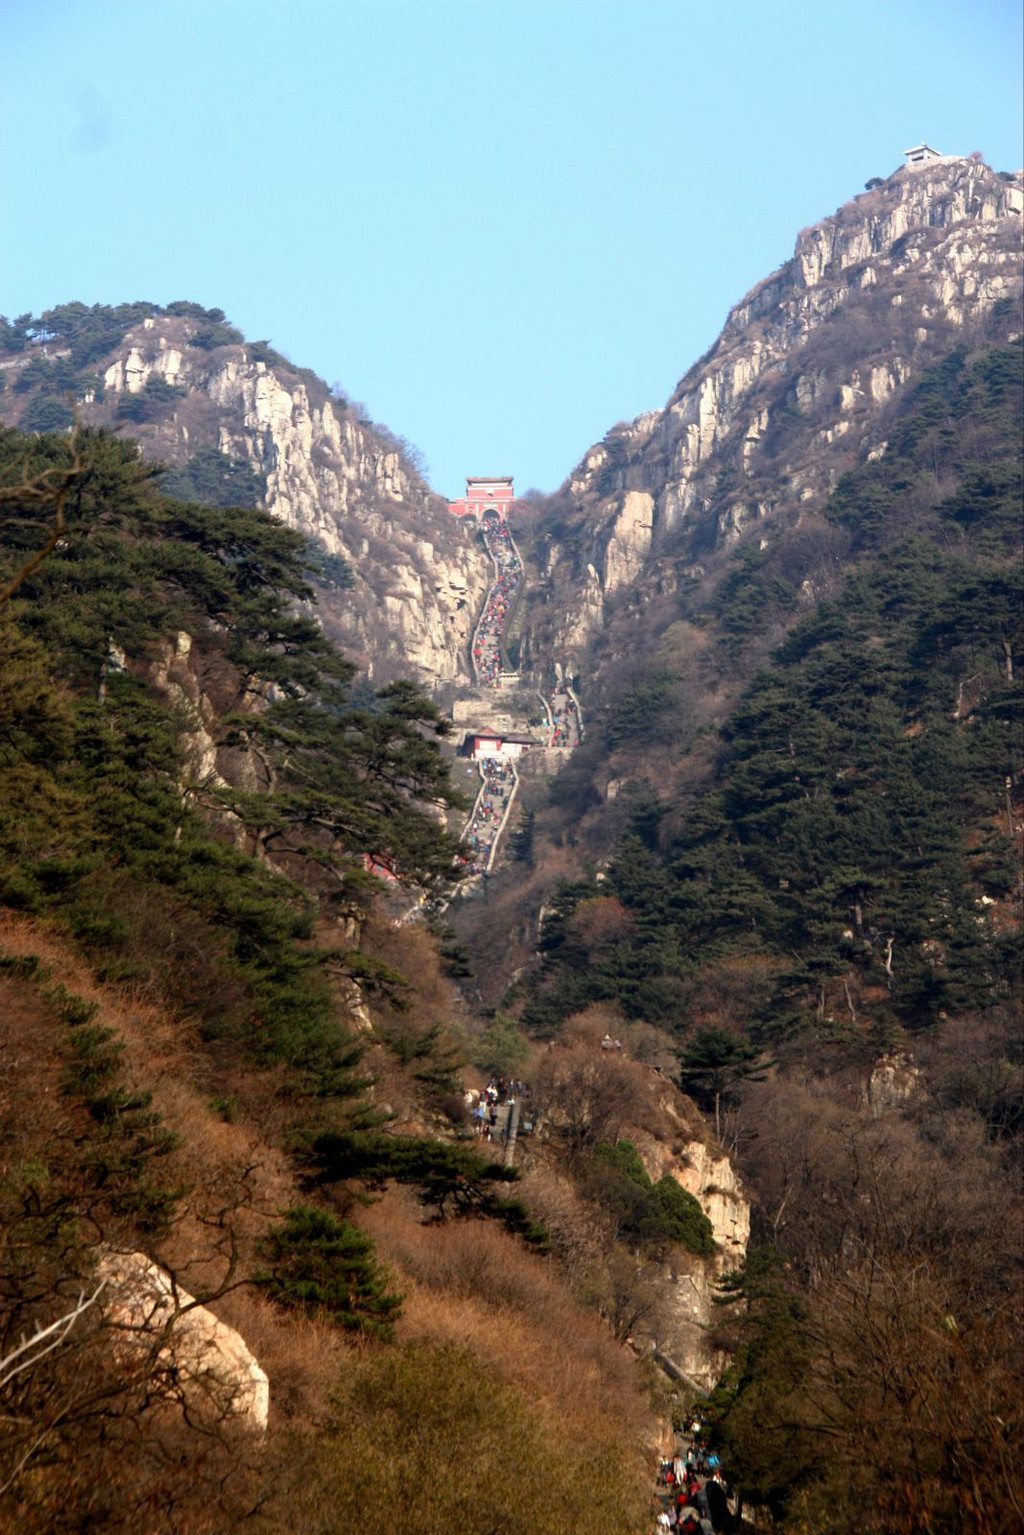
(754,946)
(856,842)
(188,943)
(817,903)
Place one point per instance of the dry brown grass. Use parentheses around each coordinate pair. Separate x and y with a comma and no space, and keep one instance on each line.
(235,1182)
(431,1002)
(32,1113)
(577,1231)
(467,1285)
(471,1283)
(224,1164)
(303,1356)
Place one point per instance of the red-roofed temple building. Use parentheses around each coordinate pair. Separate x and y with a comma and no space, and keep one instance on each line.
(494,491)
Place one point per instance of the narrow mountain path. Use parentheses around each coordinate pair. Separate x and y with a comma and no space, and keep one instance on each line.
(500,600)
(499,780)
(691,1495)
(565,720)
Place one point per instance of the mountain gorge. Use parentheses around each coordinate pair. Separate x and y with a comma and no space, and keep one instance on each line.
(686,545)
(752,943)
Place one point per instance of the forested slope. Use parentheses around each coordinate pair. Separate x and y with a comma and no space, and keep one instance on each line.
(818,902)
(212,1056)
(856,843)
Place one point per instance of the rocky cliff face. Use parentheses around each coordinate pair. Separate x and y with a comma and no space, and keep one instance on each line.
(419,575)
(712,1179)
(706,1172)
(792,393)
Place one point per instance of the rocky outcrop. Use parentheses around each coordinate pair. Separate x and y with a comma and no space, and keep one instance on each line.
(681,1151)
(711,1178)
(630,539)
(792,393)
(893,1080)
(419,574)
(196,1354)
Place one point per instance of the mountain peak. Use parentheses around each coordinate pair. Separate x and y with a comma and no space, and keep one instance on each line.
(788,398)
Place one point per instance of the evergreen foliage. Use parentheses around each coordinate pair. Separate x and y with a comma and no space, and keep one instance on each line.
(748,596)
(713,1064)
(520,842)
(114,1176)
(452,1179)
(46,413)
(207,337)
(324,1265)
(650,1214)
(89,331)
(211,478)
(855,823)
(642,711)
(80,335)
(760,1422)
(150,402)
(98,823)
(330,570)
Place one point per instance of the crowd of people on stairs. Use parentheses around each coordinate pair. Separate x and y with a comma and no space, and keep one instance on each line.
(489,812)
(509,572)
(566,731)
(693,1497)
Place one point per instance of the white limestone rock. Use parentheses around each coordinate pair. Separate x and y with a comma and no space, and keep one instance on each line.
(630,539)
(953,228)
(335,480)
(210,1360)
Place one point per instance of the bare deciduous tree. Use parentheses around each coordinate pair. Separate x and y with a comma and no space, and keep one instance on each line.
(590,1095)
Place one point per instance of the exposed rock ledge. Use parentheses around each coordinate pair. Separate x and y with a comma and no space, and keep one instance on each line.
(871,296)
(419,574)
(211,1361)
(706,1172)
(711,1178)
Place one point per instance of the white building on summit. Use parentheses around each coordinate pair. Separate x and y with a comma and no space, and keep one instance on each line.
(923,154)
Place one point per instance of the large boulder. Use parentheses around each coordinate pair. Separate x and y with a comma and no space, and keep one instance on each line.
(210,1360)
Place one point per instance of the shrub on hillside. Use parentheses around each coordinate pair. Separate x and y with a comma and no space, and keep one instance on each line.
(150,402)
(46,413)
(652,1214)
(207,337)
(324,1265)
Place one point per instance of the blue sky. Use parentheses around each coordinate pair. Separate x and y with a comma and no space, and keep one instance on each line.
(502,224)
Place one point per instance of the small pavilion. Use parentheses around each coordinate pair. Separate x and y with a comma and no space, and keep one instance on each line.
(505,747)
(921,154)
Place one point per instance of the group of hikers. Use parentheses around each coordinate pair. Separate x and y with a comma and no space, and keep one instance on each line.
(692,1496)
(565,718)
(489,812)
(490,1108)
(509,568)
